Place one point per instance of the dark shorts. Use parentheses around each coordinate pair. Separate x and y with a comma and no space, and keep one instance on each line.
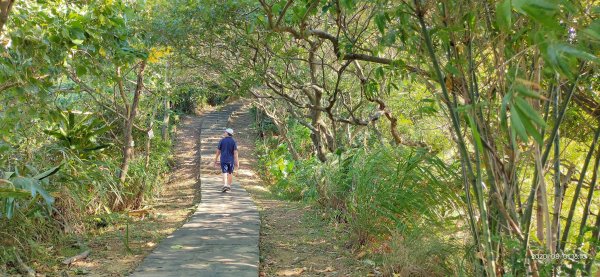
(227,167)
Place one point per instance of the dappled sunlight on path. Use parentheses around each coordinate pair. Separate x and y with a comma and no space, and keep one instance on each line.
(221,237)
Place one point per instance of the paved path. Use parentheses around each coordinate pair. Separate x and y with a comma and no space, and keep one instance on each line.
(221,237)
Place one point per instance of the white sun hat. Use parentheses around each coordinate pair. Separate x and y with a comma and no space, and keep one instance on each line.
(229,131)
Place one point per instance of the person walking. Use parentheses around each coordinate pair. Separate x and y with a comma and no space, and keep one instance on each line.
(228,153)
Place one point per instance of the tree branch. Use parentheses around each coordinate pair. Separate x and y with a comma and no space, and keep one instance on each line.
(5,7)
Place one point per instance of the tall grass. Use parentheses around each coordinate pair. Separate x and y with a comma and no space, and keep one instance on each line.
(401,204)
(389,190)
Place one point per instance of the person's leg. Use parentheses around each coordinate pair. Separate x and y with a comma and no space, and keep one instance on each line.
(224,170)
(230,176)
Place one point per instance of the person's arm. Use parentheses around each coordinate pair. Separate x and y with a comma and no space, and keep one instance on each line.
(217,156)
(218,152)
(236,159)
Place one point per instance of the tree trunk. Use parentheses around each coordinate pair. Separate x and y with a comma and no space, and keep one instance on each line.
(128,145)
(5,7)
(315,113)
(127,130)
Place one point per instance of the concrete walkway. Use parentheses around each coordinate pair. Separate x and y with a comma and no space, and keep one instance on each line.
(221,237)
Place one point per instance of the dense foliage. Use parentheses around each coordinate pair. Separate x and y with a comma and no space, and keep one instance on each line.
(506,88)
(471,123)
(82,85)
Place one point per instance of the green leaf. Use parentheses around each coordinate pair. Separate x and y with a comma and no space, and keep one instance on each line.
(298,13)
(47,173)
(543,5)
(8,174)
(326,7)
(33,185)
(81,69)
(379,72)
(389,38)
(530,128)
(565,48)
(14,193)
(380,20)
(554,56)
(71,124)
(24,182)
(593,31)
(348,4)
(99,147)
(475,132)
(527,92)
(470,19)
(504,15)
(542,11)
(517,124)
(9,207)
(527,110)
(372,89)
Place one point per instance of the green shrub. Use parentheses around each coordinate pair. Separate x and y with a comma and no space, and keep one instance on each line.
(402,199)
(144,182)
(398,203)
(375,192)
(85,185)
(389,189)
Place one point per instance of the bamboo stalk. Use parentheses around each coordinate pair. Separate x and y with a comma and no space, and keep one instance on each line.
(569,220)
(557,182)
(588,202)
(543,202)
(526,220)
(487,248)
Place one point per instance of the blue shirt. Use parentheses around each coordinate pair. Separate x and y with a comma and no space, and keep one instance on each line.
(227,145)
